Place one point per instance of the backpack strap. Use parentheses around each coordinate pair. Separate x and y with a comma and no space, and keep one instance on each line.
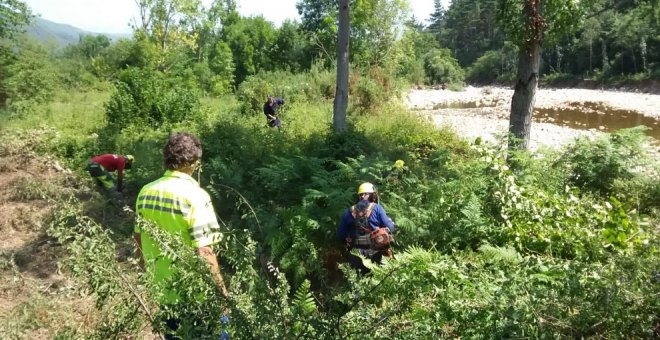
(370,208)
(363,213)
(367,212)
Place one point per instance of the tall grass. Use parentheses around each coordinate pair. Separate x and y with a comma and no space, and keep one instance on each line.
(70,112)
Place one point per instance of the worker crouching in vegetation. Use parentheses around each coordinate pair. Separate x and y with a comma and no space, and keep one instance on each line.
(270,110)
(177,205)
(366,227)
(101,166)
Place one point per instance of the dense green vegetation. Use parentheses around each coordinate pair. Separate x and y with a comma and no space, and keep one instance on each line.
(564,244)
(616,40)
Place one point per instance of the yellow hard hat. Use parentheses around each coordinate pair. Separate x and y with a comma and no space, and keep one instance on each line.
(366,188)
(130,158)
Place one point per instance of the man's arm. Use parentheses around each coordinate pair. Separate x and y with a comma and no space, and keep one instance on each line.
(384,219)
(343,232)
(209,256)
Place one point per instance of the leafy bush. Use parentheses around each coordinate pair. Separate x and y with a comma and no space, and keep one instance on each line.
(499,65)
(560,79)
(74,75)
(441,67)
(370,89)
(31,78)
(413,71)
(299,88)
(596,165)
(368,94)
(144,98)
(252,94)
(323,79)
(76,149)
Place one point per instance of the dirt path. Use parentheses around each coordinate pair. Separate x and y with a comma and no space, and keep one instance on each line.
(483,111)
(38,298)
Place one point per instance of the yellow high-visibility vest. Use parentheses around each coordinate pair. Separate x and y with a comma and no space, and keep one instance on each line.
(176,204)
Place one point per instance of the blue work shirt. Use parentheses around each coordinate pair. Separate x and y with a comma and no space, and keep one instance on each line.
(272,109)
(377,219)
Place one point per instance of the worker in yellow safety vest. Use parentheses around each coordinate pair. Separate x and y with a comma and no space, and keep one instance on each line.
(176,204)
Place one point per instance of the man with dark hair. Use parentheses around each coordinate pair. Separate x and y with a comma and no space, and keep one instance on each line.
(366,227)
(270,110)
(176,204)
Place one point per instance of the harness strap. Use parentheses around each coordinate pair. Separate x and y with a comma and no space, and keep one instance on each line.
(363,214)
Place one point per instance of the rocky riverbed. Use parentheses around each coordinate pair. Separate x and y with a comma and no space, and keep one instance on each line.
(484,111)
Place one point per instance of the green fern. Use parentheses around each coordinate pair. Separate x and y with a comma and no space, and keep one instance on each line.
(500,255)
(303,300)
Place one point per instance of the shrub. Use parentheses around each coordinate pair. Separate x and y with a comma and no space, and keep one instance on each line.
(413,71)
(368,94)
(293,88)
(74,75)
(323,79)
(370,89)
(596,165)
(143,98)
(252,94)
(485,68)
(441,67)
(499,65)
(31,78)
(560,79)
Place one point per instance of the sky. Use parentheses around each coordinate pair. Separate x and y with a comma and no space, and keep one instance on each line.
(113,16)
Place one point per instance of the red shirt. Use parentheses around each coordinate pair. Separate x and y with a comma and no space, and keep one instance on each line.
(111,162)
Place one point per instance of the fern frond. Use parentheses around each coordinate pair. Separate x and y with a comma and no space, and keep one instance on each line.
(503,255)
(303,299)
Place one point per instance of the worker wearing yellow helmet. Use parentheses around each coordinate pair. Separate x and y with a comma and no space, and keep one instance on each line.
(100,167)
(366,227)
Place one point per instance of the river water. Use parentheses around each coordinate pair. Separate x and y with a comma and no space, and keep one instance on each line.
(590,115)
(560,115)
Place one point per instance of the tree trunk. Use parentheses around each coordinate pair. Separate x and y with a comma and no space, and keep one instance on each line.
(591,53)
(341,92)
(606,61)
(3,98)
(559,55)
(524,95)
(642,49)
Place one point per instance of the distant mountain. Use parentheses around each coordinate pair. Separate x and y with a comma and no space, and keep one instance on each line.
(62,34)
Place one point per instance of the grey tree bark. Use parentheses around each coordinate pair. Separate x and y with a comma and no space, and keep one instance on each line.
(524,96)
(341,91)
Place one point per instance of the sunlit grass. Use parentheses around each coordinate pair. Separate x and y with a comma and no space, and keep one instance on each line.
(71,111)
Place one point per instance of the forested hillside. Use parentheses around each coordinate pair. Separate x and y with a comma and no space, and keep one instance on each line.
(491,242)
(60,35)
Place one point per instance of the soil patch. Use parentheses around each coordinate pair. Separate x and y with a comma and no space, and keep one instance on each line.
(37,301)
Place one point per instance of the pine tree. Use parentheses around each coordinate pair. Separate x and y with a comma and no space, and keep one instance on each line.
(437,17)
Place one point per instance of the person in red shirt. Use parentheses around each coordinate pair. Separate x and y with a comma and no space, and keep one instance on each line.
(101,166)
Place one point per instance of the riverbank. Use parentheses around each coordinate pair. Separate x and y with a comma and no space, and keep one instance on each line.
(484,111)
